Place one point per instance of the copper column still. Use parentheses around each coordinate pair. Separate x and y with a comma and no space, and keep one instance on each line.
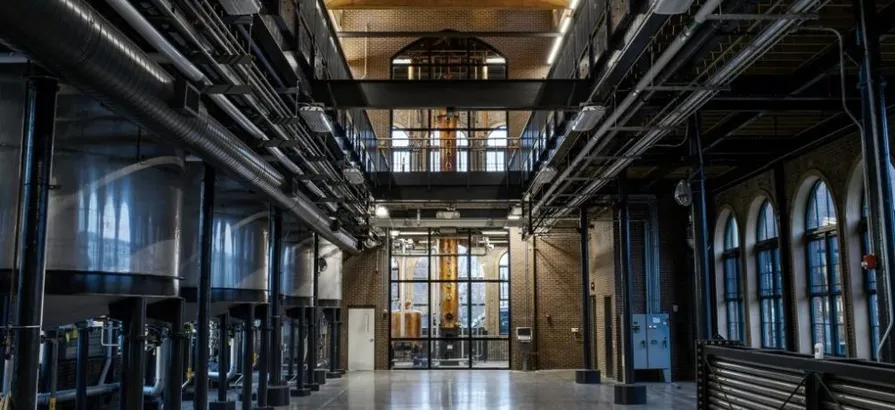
(448,248)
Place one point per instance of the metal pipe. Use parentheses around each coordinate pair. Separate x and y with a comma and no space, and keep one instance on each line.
(587,322)
(647,80)
(231,366)
(704,294)
(264,359)
(34,191)
(203,297)
(161,353)
(248,357)
(142,94)
(107,363)
(81,371)
(314,313)
(43,399)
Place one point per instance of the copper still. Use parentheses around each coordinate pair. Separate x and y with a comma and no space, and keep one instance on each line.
(407,323)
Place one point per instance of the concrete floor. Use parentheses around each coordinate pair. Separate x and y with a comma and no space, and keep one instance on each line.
(481,389)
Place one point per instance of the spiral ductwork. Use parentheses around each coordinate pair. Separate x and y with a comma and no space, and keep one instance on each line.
(74,41)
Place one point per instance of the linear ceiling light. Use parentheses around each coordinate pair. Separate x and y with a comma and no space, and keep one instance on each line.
(588,117)
(544,176)
(316,118)
(495,60)
(353,175)
(402,61)
(381,211)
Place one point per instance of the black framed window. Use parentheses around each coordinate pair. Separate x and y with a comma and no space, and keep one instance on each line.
(504,294)
(733,294)
(824,278)
(869,280)
(770,279)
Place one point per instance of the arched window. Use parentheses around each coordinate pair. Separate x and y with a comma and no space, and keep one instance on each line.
(503,271)
(824,279)
(495,157)
(770,279)
(869,280)
(733,295)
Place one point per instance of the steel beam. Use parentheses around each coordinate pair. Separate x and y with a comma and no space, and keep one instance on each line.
(525,95)
(705,308)
(447,34)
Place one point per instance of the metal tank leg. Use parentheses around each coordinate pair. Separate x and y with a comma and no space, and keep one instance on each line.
(301,389)
(174,387)
(247,313)
(263,359)
(333,342)
(337,331)
(278,391)
(81,367)
(306,345)
(34,192)
(132,312)
(224,358)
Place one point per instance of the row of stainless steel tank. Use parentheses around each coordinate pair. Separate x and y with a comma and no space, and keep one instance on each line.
(123,220)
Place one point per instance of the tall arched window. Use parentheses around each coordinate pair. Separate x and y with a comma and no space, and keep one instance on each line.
(824,279)
(770,279)
(495,157)
(733,295)
(869,281)
(503,271)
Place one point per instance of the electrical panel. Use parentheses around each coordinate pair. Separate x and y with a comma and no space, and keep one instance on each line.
(652,343)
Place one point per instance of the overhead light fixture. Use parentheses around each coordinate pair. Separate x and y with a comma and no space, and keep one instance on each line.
(670,7)
(449,214)
(381,211)
(554,51)
(588,117)
(494,233)
(402,61)
(353,175)
(544,176)
(241,7)
(316,118)
(495,60)
(515,213)
(394,233)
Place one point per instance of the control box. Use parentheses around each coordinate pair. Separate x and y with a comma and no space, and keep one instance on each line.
(523,334)
(650,338)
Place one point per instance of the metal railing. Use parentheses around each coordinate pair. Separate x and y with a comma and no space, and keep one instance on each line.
(730,376)
(589,28)
(472,155)
(319,45)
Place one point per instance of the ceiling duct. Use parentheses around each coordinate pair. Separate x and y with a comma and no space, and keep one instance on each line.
(74,41)
(588,118)
(316,118)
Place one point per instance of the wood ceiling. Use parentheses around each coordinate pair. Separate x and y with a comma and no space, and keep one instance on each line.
(446,4)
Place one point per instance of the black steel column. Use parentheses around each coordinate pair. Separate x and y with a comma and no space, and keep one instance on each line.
(203,297)
(263,358)
(34,191)
(81,367)
(291,368)
(705,308)
(248,357)
(627,393)
(179,338)
(277,391)
(784,226)
(223,356)
(304,381)
(877,161)
(133,363)
(314,319)
(588,375)
(337,336)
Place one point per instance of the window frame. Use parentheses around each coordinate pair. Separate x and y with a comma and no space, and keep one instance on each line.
(767,249)
(733,297)
(831,292)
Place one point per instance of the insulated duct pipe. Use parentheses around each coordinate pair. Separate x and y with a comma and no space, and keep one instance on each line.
(755,49)
(130,14)
(231,370)
(655,69)
(76,42)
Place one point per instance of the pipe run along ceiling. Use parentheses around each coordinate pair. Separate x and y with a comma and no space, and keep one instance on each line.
(446,4)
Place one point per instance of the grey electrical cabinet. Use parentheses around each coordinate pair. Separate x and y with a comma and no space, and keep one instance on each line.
(651,342)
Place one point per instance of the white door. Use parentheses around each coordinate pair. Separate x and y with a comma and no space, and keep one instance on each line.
(361,338)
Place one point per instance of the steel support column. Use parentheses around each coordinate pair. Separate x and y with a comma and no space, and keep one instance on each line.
(588,375)
(179,338)
(203,297)
(263,359)
(30,274)
(705,308)
(784,224)
(314,317)
(877,162)
(133,363)
(627,393)
(277,391)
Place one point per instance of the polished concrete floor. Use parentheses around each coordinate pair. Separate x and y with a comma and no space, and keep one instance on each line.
(480,389)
